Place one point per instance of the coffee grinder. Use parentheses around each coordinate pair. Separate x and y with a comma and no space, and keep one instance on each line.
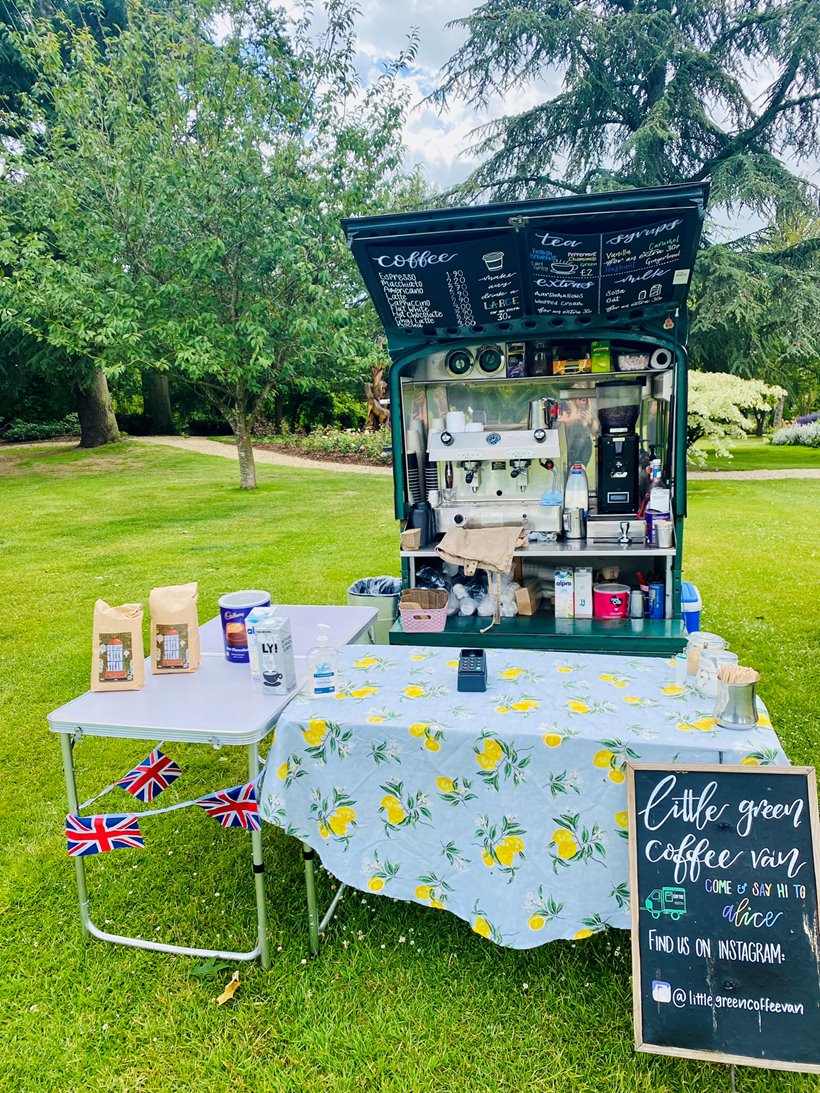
(619,406)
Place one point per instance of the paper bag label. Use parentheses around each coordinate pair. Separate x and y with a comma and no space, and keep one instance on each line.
(172,645)
(115,662)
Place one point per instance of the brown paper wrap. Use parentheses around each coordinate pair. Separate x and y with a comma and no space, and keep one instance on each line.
(117,655)
(174,629)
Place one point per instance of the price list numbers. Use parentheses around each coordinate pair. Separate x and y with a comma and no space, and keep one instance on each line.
(404,293)
(460,297)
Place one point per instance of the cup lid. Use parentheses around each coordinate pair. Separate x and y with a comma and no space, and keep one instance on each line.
(251,597)
(704,638)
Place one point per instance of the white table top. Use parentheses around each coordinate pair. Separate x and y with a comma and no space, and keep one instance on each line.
(347,624)
(218,704)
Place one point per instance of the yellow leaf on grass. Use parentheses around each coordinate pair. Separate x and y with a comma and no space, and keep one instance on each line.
(230,990)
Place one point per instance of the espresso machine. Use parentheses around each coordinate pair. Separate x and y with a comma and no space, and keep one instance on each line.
(495,475)
(619,407)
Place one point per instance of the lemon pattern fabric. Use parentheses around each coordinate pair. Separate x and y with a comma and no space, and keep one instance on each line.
(506,808)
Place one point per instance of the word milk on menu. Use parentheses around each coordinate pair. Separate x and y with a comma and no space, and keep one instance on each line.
(725,930)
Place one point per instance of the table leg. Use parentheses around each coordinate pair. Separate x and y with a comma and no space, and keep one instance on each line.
(88,926)
(309,855)
(67,745)
(259,867)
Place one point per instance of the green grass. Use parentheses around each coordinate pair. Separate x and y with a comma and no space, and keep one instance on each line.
(402,997)
(756,453)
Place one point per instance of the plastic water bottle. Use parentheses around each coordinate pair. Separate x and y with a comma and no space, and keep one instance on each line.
(323,665)
(576,492)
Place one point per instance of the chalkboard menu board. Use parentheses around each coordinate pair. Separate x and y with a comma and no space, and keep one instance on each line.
(566,272)
(576,274)
(461,283)
(725,931)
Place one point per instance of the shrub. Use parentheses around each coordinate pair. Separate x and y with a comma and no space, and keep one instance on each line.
(809,419)
(806,435)
(20,431)
(366,447)
(716,412)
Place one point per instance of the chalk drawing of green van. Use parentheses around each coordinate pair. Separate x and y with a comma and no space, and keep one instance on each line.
(666,901)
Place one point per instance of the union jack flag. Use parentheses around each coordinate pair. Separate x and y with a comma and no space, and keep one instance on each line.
(97,834)
(235,807)
(150,777)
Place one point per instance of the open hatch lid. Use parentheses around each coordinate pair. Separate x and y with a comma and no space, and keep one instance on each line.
(613,263)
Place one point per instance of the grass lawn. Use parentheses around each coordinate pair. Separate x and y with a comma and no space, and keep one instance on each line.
(754,453)
(402,997)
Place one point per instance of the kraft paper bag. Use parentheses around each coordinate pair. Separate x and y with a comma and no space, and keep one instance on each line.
(174,629)
(118,657)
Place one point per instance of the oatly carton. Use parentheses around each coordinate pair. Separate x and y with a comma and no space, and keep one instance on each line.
(564,594)
(583,593)
(274,648)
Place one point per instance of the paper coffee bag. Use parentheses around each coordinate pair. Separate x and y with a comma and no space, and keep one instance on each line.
(174,629)
(118,657)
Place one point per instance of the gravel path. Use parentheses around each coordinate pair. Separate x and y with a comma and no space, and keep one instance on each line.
(206,447)
(279,459)
(228,451)
(742,476)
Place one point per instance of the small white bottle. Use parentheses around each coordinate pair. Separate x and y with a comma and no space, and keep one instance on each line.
(322,664)
(576,493)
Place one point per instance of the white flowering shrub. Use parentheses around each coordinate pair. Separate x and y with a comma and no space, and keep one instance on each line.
(718,407)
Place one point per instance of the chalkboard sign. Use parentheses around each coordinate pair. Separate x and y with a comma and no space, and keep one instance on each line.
(566,272)
(725,924)
(641,266)
(576,274)
(461,283)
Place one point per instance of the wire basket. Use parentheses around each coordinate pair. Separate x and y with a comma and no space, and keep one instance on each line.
(423,610)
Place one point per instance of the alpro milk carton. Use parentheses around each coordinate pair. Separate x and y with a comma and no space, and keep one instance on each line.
(564,593)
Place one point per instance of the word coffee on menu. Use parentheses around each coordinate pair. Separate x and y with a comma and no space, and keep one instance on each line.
(725,923)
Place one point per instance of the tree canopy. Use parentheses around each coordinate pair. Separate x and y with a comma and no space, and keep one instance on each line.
(181,206)
(654,92)
(664,91)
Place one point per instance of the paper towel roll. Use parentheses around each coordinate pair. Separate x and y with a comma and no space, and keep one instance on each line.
(661,358)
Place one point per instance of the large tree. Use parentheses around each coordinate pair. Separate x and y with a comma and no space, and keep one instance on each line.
(664,91)
(654,91)
(186,213)
(85,383)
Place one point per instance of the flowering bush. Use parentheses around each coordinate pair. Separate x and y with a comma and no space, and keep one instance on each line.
(364,447)
(717,401)
(807,435)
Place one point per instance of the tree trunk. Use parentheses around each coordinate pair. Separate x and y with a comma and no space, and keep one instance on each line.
(778,412)
(95,410)
(156,400)
(242,436)
(760,421)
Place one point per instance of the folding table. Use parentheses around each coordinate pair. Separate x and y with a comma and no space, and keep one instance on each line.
(216,705)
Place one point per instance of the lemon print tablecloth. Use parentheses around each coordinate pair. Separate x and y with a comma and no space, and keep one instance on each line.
(507,808)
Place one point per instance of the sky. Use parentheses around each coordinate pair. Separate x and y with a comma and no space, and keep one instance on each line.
(439,141)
